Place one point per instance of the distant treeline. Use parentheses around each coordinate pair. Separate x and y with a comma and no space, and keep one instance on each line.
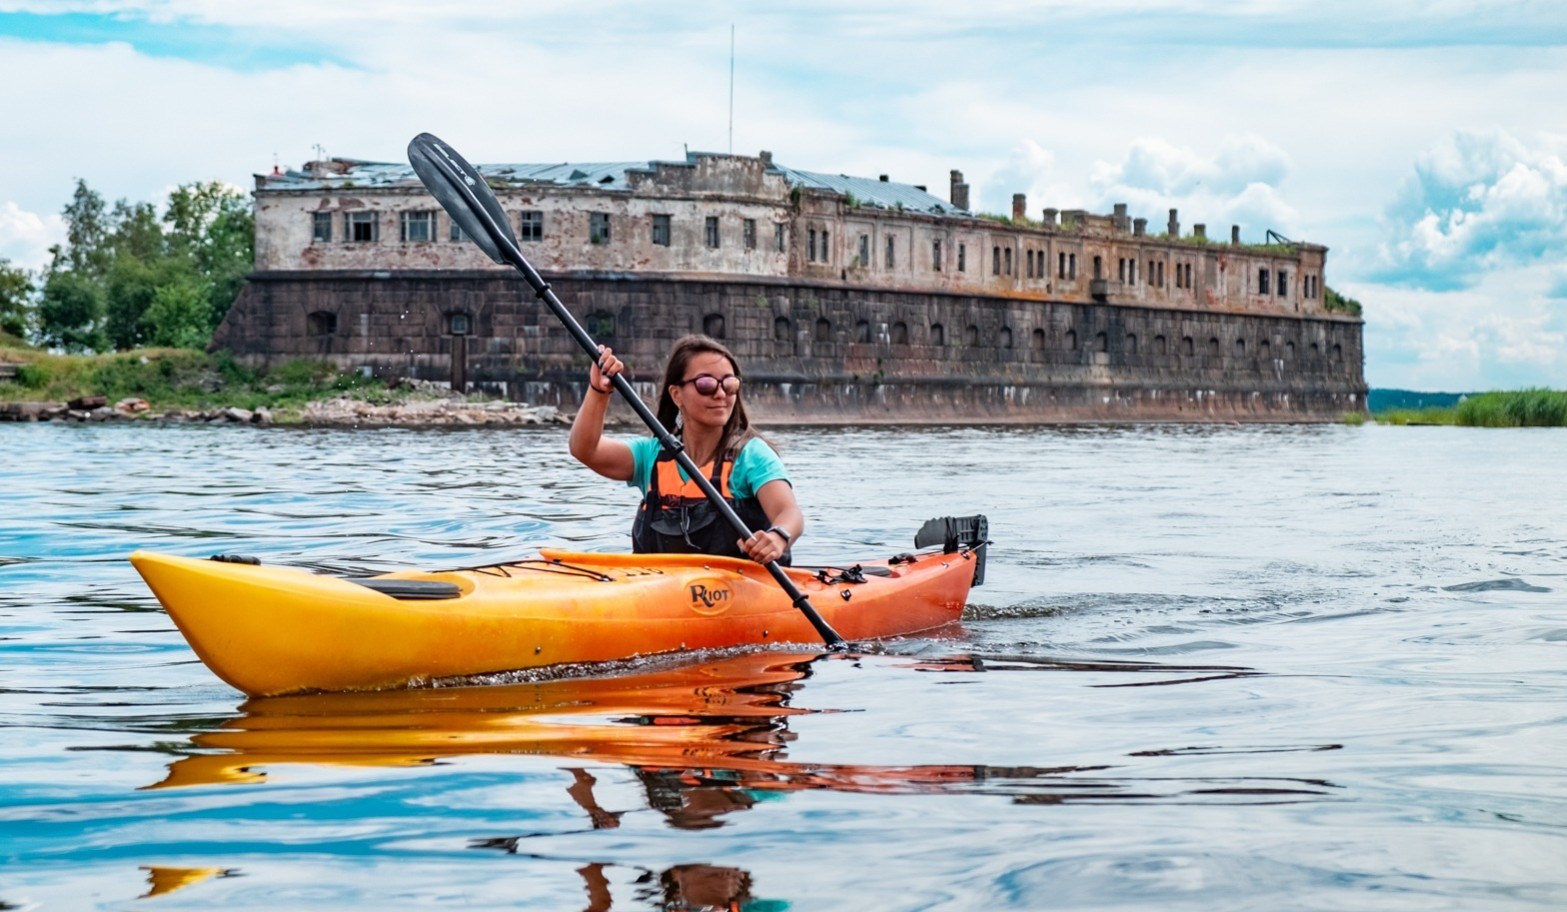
(128,277)
(1513,408)
(1386,400)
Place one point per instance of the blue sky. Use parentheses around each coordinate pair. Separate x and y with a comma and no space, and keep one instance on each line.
(1423,142)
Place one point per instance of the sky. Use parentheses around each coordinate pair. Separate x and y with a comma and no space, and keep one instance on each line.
(1424,142)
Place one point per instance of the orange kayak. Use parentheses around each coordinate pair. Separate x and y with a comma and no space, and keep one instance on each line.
(273,629)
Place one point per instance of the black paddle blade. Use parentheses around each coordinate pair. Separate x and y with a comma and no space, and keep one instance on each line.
(465,196)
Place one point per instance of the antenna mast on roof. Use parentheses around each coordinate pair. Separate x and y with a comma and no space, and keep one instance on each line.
(731,88)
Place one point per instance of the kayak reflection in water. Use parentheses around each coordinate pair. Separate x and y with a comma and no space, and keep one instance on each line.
(700,403)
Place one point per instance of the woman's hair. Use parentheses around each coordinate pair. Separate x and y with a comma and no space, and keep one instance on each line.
(737,431)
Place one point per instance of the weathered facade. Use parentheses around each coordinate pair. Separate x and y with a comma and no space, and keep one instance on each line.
(847,299)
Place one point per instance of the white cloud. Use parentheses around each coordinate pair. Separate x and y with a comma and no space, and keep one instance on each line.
(1478,201)
(25,237)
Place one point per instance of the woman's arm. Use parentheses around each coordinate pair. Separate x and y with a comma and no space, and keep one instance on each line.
(610,458)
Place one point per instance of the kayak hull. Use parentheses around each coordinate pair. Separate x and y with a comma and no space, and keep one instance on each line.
(271,629)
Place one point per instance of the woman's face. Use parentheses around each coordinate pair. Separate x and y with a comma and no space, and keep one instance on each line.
(708,410)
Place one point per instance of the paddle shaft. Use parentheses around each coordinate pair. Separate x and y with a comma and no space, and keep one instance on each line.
(668,441)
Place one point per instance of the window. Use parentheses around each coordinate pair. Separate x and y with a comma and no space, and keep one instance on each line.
(416,226)
(812,256)
(600,324)
(971,335)
(1123,269)
(938,334)
(891,250)
(865,251)
(459,323)
(1061,271)
(748,232)
(1131,343)
(1284,283)
(457,234)
(361,227)
(1006,337)
(995,261)
(962,258)
(862,331)
(1160,345)
(1101,342)
(900,333)
(935,256)
(1262,281)
(1008,258)
(779,239)
(321,227)
(713,325)
(321,323)
(598,227)
(826,250)
(782,330)
(661,230)
(710,233)
(823,330)
(531,226)
(1029,254)
(1070,340)
(1036,340)
(1071,266)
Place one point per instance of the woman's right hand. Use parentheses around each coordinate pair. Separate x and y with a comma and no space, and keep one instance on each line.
(606,367)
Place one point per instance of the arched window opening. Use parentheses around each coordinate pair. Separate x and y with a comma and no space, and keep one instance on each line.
(321,323)
(971,335)
(1006,337)
(900,333)
(1101,342)
(1037,340)
(713,325)
(1070,340)
(938,334)
(1131,343)
(862,331)
(823,330)
(1160,346)
(783,330)
(600,325)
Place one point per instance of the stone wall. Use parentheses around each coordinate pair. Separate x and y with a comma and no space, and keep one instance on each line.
(819,352)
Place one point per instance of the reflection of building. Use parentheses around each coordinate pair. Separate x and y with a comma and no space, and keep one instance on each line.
(845,297)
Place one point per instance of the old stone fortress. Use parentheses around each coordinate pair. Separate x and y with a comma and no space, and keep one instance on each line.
(846,298)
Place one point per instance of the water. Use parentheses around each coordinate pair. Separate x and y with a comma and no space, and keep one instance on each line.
(1212,668)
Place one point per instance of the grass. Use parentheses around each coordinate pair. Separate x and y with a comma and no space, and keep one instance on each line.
(176,378)
(1518,408)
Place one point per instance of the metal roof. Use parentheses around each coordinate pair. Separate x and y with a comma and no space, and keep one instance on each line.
(343,173)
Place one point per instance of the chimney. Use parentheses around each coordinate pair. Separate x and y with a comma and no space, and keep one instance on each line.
(959,194)
(1235,234)
(1175,224)
(1019,207)
(1120,216)
(1050,217)
(1200,231)
(1140,227)
(766,157)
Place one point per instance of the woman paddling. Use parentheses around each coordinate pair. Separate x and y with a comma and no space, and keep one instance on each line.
(699,401)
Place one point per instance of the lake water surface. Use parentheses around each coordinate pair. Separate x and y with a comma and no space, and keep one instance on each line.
(1212,668)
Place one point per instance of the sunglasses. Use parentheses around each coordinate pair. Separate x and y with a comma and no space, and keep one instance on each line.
(707,384)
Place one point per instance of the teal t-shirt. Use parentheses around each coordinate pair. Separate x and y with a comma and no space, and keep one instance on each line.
(756,465)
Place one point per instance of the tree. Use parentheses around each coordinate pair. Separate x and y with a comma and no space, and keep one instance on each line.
(16,293)
(71,312)
(179,313)
(211,224)
(87,251)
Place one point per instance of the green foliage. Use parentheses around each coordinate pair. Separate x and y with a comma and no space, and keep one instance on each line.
(1335,302)
(71,312)
(1353,419)
(1408,416)
(16,292)
(127,278)
(1522,408)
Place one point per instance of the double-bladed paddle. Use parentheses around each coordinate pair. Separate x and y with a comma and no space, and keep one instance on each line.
(468,199)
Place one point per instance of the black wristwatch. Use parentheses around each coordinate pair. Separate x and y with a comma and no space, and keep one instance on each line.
(781,532)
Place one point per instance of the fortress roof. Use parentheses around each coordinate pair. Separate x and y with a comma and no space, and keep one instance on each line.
(339,174)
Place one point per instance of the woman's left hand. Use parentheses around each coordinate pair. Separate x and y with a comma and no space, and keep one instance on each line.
(763,547)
